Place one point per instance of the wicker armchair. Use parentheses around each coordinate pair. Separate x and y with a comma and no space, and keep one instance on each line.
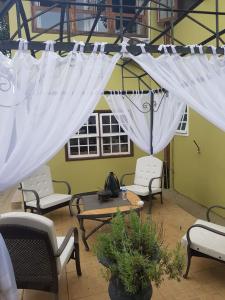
(37,255)
(38,193)
(205,239)
(147,177)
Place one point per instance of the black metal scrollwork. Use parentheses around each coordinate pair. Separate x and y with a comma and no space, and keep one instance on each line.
(147,106)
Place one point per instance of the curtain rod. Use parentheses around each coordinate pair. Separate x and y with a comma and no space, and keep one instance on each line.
(134,49)
(133,92)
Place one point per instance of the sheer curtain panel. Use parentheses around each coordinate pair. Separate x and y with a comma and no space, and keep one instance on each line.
(197,80)
(133,115)
(43,101)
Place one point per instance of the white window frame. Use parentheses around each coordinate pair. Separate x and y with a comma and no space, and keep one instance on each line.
(111,134)
(99,135)
(184,132)
(86,136)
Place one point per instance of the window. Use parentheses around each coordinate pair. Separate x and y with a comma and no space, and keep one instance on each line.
(100,137)
(167,16)
(184,124)
(82,18)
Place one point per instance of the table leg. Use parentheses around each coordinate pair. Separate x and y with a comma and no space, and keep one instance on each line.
(81,222)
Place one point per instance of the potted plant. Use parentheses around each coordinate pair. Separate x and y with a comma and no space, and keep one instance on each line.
(134,255)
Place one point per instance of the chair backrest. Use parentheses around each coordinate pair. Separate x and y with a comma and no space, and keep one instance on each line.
(40,181)
(148,167)
(30,233)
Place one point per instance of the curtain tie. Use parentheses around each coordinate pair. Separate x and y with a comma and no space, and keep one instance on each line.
(49,45)
(23,44)
(213,50)
(102,48)
(123,47)
(164,48)
(95,49)
(142,46)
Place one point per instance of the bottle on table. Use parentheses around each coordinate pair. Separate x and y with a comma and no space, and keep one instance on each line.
(124,192)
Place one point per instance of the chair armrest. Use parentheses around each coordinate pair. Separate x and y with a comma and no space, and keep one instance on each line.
(204,227)
(123,176)
(150,182)
(210,208)
(35,194)
(72,231)
(66,183)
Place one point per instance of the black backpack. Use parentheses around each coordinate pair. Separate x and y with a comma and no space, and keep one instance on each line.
(112,184)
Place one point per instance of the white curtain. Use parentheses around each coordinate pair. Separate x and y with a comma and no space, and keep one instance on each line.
(42,102)
(198,80)
(133,115)
(8,288)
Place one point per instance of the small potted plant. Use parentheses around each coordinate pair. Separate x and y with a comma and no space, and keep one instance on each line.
(134,255)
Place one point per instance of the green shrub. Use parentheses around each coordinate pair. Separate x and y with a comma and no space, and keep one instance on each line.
(134,252)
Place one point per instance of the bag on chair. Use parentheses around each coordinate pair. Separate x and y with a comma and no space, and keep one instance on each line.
(112,184)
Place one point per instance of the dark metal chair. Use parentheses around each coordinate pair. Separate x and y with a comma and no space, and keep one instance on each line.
(205,239)
(37,255)
(38,193)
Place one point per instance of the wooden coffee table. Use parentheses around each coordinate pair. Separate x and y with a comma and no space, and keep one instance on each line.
(89,207)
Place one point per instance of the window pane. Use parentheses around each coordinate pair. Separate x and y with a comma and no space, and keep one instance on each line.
(73,142)
(83,150)
(115,128)
(83,141)
(115,139)
(106,129)
(123,139)
(131,29)
(128,10)
(84,22)
(113,120)
(74,150)
(105,120)
(106,149)
(87,20)
(183,126)
(92,150)
(92,120)
(124,148)
(83,130)
(92,141)
(106,140)
(115,148)
(85,7)
(92,129)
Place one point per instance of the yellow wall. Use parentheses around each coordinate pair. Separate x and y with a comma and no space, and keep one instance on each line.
(200,176)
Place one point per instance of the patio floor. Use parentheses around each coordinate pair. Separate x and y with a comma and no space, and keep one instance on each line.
(206,278)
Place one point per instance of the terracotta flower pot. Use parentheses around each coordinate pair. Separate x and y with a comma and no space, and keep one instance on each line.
(117,292)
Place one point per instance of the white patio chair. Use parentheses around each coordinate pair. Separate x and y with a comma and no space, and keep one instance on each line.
(148,177)
(38,193)
(205,239)
(38,256)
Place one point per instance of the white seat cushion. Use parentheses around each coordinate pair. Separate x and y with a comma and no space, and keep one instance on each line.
(50,200)
(65,256)
(142,190)
(148,167)
(206,241)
